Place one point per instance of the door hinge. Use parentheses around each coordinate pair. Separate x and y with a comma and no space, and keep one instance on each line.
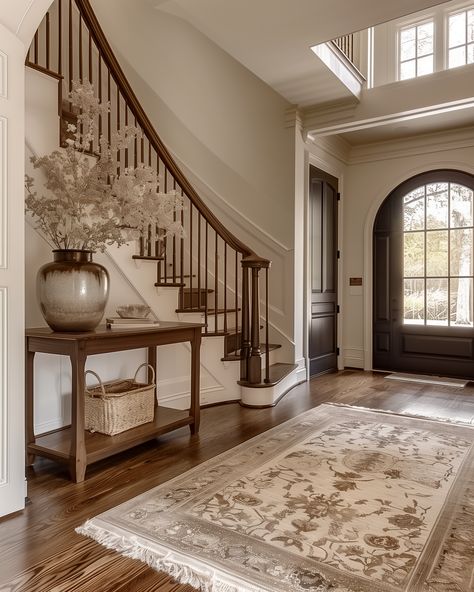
(338,309)
(338,351)
(338,196)
(338,254)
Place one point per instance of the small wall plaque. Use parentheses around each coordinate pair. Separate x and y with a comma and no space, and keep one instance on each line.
(355,281)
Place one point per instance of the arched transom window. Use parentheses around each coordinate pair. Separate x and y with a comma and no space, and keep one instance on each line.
(438,255)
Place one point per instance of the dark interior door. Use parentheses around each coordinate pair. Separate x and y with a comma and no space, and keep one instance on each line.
(423,277)
(323,243)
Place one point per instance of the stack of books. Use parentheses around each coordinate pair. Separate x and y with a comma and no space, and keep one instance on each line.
(121,323)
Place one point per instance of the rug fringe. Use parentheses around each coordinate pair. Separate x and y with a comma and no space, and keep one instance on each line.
(182,573)
(406,414)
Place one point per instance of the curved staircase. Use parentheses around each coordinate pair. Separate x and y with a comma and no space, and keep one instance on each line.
(216,276)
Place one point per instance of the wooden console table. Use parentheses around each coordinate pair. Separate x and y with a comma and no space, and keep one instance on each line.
(73,444)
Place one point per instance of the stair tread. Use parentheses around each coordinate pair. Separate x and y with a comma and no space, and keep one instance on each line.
(197,290)
(278,372)
(214,334)
(148,257)
(233,357)
(168,285)
(210,311)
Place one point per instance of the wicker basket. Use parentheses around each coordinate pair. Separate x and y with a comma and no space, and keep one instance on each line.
(119,405)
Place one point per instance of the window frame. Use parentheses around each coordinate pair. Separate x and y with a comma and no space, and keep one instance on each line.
(410,25)
(464,8)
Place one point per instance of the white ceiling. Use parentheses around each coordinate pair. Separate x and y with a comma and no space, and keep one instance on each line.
(272,38)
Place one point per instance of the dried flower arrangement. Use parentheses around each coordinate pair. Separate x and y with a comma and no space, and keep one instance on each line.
(87,204)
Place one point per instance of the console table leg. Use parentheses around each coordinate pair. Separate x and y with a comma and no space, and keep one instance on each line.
(77,470)
(29,406)
(78,445)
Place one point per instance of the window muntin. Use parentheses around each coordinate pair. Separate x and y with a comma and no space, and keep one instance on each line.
(438,267)
(416,50)
(461,38)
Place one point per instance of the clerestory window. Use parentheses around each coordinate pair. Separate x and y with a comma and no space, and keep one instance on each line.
(438,255)
(416,50)
(461,38)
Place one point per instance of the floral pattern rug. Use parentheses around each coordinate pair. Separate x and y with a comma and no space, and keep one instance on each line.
(338,499)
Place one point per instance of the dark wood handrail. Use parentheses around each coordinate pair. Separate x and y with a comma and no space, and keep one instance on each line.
(118,75)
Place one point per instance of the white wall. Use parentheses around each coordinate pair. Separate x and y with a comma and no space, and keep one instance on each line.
(374,171)
(224,124)
(220,119)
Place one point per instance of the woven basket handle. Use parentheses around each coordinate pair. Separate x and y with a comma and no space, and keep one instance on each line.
(98,380)
(140,367)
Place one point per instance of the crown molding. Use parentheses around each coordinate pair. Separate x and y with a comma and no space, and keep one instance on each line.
(413,146)
(293,118)
(335,146)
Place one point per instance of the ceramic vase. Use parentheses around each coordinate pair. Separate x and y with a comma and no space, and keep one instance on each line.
(72,291)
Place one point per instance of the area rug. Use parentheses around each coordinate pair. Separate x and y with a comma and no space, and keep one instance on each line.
(338,499)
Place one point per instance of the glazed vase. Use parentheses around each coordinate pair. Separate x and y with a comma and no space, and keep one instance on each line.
(72,291)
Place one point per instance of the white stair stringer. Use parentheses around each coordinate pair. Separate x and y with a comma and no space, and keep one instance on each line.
(268,396)
(221,377)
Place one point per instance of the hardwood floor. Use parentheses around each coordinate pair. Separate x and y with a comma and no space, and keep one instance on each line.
(39,550)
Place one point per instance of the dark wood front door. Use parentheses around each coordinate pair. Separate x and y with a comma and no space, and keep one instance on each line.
(423,277)
(323,244)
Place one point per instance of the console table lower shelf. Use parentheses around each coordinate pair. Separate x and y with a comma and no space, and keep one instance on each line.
(56,444)
(74,445)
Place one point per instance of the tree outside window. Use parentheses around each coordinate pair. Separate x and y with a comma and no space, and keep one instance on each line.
(438,255)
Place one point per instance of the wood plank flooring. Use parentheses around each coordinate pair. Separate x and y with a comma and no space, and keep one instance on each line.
(39,550)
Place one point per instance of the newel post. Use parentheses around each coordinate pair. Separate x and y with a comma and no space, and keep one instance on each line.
(251,354)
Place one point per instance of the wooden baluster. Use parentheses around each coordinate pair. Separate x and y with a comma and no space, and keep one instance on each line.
(148,241)
(118,127)
(161,274)
(126,147)
(91,78)
(206,274)
(245,336)
(109,113)
(70,54)
(267,340)
(48,40)
(225,287)
(199,257)
(81,73)
(135,147)
(60,41)
(181,263)
(236,292)
(99,74)
(164,246)
(173,271)
(191,295)
(35,48)
(216,283)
